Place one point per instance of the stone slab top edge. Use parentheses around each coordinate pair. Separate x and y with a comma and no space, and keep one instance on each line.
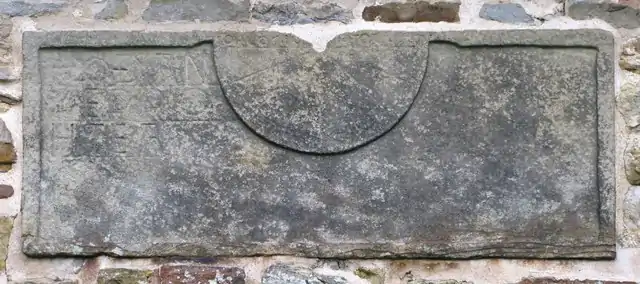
(602,40)
(579,37)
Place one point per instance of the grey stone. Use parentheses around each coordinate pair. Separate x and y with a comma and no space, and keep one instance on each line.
(6,25)
(7,74)
(630,56)
(205,10)
(9,97)
(302,12)
(506,13)
(542,9)
(158,144)
(5,134)
(628,101)
(48,281)
(112,9)
(630,236)
(632,159)
(552,280)
(290,274)
(304,106)
(7,150)
(616,14)
(439,282)
(15,8)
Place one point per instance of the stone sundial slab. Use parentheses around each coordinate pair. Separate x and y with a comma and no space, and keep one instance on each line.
(386,144)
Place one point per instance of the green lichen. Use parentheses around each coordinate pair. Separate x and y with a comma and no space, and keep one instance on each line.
(124,276)
(373,276)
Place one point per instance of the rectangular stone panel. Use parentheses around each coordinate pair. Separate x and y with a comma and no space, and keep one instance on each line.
(386,144)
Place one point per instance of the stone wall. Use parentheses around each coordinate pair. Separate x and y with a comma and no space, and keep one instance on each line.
(318,22)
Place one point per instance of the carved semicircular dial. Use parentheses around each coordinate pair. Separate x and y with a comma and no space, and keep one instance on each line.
(320,102)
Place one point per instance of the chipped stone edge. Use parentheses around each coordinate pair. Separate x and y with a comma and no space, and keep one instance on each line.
(600,39)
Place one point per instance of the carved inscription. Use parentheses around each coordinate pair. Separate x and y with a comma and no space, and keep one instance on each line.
(386,144)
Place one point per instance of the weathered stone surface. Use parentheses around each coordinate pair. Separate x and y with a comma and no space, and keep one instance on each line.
(6,224)
(616,14)
(630,56)
(6,191)
(630,236)
(119,275)
(570,281)
(290,274)
(7,151)
(205,10)
(6,25)
(31,7)
(439,282)
(373,276)
(419,11)
(632,159)
(542,9)
(49,281)
(4,107)
(302,12)
(5,134)
(201,274)
(506,13)
(111,9)
(7,74)
(629,100)
(304,107)
(163,147)
(8,98)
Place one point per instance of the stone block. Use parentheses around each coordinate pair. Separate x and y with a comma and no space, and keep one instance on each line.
(630,236)
(6,224)
(253,143)
(7,151)
(49,281)
(7,74)
(630,56)
(125,276)
(617,14)
(6,25)
(438,282)
(110,9)
(511,13)
(200,274)
(15,8)
(542,9)
(6,191)
(292,274)
(303,12)
(418,11)
(570,281)
(190,10)
(632,159)
(628,100)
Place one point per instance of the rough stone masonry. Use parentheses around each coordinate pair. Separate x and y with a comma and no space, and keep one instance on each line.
(333,141)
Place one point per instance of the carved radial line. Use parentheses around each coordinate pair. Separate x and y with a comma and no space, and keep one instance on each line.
(336,108)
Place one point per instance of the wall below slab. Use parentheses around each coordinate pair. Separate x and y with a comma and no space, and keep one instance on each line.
(316,22)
